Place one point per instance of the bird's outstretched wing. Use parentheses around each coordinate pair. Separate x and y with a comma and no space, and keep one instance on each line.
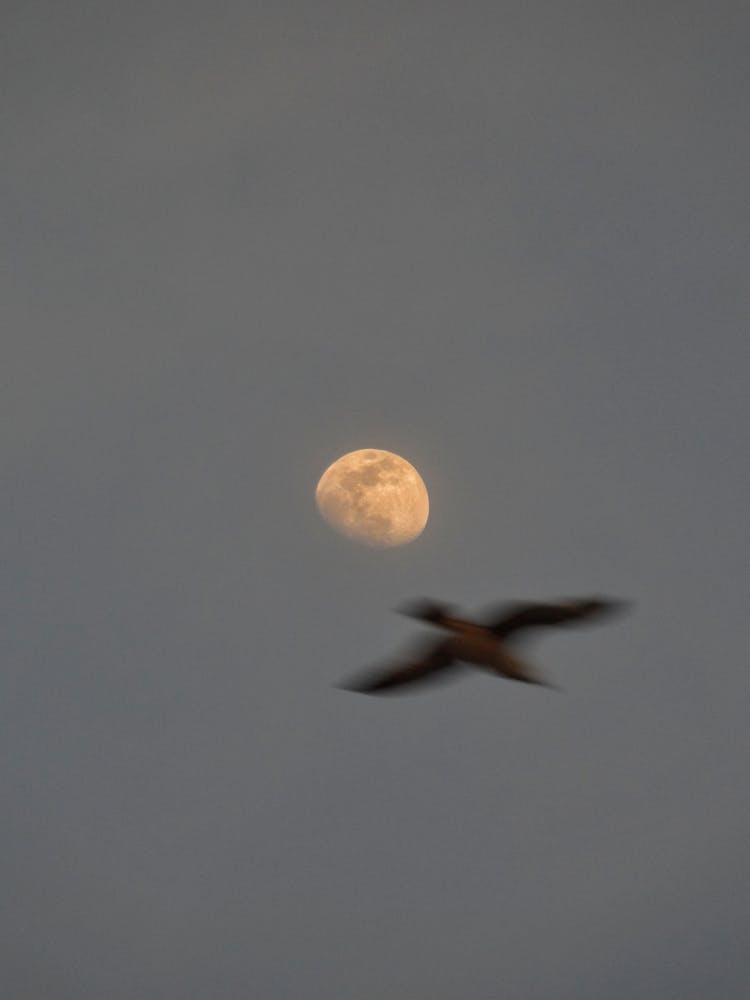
(435,659)
(434,612)
(514,618)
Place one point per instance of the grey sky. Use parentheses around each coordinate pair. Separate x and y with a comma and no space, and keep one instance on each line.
(507,241)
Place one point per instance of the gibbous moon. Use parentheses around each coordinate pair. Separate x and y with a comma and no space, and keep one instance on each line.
(374,497)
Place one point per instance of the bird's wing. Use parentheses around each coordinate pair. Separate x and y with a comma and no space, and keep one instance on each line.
(434,612)
(518,617)
(435,659)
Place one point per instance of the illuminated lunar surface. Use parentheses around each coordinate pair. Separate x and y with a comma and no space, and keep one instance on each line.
(374,497)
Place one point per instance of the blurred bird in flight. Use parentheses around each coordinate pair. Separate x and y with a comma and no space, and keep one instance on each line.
(485,645)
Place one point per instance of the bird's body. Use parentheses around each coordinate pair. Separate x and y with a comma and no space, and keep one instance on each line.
(475,645)
(482,645)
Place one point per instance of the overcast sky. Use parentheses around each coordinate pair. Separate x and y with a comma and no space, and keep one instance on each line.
(508,241)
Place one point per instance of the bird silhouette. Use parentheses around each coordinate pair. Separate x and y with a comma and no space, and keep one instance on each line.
(486,645)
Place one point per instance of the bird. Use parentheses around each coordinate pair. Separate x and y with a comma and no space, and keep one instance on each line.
(484,644)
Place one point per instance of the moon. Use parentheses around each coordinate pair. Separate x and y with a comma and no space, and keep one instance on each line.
(374,497)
